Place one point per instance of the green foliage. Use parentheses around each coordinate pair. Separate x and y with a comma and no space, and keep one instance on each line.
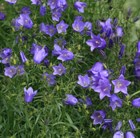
(47,116)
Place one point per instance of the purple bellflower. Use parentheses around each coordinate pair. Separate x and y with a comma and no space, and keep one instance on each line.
(107,124)
(23,57)
(11,1)
(59,70)
(29,94)
(56,14)
(65,55)
(16,24)
(2,16)
(52,4)
(88,101)
(122,50)
(119,125)
(98,70)
(96,42)
(137,61)
(46,62)
(121,84)
(60,41)
(20,70)
(57,50)
(40,55)
(25,21)
(62,27)
(78,25)
(138,119)
(5,52)
(70,100)
(107,27)
(129,135)
(50,30)
(136,103)
(132,125)
(42,10)
(80,6)
(118,134)
(10,71)
(115,101)
(88,26)
(25,10)
(36,2)
(50,79)
(35,48)
(83,81)
(103,88)
(119,31)
(98,117)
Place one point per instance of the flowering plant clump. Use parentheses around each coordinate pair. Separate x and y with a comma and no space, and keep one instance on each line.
(69,68)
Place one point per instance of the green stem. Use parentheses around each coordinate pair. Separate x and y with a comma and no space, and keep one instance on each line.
(134,94)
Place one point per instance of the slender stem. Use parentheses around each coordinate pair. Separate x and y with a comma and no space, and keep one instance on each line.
(134,94)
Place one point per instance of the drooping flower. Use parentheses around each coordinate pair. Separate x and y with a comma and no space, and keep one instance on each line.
(129,135)
(119,31)
(80,6)
(23,57)
(88,26)
(25,10)
(42,10)
(35,48)
(98,117)
(137,61)
(5,52)
(59,70)
(121,84)
(138,119)
(88,101)
(107,124)
(56,14)
(132,125)
(62,27)
(52,4)
(57,50)
(65,55)
(136,102)
(78,25)
(122,50)
(40,55)
(118,134)
(96,43)
(11,1)
(46,62)
(10,71)
(115,101)
(2,16)
(119,125)
(60,41)
(83,81)
(20,70)
(98,70)
(36,2)
(123,70)
(70,100)
(25,21)
(50,78)
(107,27)
(29,94)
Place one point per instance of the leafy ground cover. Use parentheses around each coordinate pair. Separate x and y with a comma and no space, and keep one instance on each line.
(72,66)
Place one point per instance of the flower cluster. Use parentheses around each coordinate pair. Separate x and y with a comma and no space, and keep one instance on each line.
(98,78)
